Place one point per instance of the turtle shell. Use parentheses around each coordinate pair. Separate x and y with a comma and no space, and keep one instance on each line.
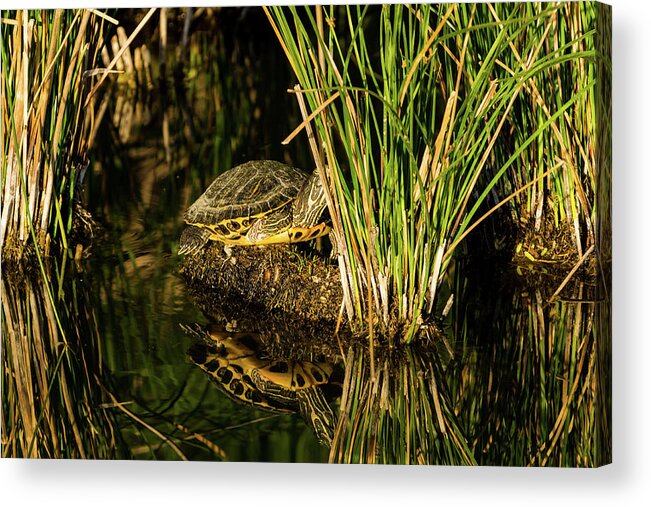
(233,202)
(234,362)
(229,357)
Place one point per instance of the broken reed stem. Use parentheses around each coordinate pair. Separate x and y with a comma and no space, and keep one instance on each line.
(571,273)
(307,120)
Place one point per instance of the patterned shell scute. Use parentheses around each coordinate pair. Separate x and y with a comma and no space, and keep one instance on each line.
(252,188)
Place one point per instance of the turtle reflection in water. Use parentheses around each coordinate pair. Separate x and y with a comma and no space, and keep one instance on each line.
(257,203)
(234,362)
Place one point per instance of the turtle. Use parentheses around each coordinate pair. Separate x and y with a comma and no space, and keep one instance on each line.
(234,362)
(257,203)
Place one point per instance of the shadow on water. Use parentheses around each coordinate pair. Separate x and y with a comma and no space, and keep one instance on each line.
(100,366)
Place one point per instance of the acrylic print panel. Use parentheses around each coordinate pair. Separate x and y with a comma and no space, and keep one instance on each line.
(339,234)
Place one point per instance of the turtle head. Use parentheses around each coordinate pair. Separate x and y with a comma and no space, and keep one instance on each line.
(310,202)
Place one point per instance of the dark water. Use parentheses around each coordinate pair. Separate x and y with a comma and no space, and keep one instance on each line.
(96,364)
(219,117)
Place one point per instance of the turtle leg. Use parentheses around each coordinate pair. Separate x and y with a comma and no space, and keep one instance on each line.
(317,414)
(192,239)
(273,224)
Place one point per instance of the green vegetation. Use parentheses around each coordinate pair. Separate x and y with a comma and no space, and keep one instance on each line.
(50,118)
(421,117)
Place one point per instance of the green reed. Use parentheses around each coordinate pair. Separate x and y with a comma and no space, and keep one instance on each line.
(577,35)
(413,117)
(51,74)
(603,134)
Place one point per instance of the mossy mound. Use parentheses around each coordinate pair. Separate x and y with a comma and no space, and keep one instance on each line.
(289,295)
(552,247)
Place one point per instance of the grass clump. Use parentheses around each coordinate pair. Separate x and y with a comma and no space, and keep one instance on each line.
(419,118)
(50,113)
(45,55)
